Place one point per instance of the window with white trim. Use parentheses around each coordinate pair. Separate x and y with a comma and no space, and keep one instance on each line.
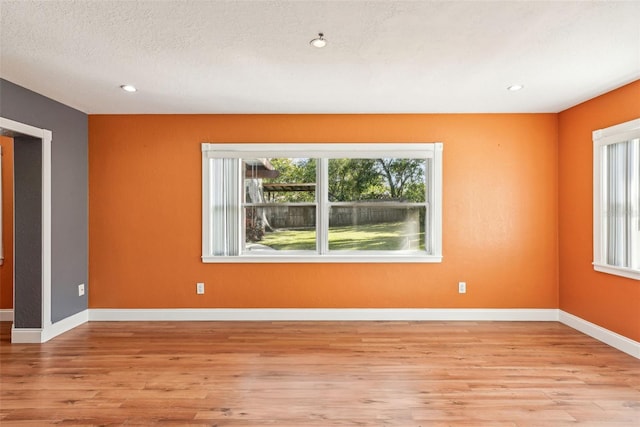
(616,199)
(322,202)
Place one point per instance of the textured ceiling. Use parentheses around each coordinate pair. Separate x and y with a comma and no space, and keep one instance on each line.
(382,56)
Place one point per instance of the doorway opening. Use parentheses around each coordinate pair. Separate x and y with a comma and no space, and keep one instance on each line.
(32,230)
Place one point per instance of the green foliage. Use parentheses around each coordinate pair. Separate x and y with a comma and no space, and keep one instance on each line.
(354,179)
(404,178)
(376,179)
(293,171)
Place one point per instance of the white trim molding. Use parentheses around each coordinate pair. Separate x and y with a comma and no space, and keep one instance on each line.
(26,335)
(606,336)
(41,335)
(6,315)
(46,136)
(322,314)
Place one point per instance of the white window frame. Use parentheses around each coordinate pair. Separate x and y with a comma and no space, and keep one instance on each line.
(601,139)
(326,151)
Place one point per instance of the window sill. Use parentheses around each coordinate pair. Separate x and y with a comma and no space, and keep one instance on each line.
(345,259)
(617,271)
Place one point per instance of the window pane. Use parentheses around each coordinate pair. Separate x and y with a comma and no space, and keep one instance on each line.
(377,179)
(376,228)
(279,228)
(621,203)
(280,180)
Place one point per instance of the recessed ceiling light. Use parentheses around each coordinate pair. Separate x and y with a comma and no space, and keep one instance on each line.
(319,42)
(515,88)
(128,88)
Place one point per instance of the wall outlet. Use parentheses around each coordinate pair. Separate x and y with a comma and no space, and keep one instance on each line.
(462,287)
(81,290)
(199,288)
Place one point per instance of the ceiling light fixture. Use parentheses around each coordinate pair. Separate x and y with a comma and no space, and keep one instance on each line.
(128,88)
(319,42)
(515,88)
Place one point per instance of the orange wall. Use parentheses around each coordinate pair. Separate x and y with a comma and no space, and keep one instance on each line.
(500,214)
(6,270)
(609,301)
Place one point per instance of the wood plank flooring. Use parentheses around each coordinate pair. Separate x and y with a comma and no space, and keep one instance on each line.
(522,374)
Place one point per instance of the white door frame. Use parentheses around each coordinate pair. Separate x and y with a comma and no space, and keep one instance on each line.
(30,334)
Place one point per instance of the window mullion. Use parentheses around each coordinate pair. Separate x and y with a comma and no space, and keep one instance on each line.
(322,199)
(239,213)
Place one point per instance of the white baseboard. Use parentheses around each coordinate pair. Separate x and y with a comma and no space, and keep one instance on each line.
(6,315)
(40,335)
(608,337)
(27,335)
(65,325)
(322,314)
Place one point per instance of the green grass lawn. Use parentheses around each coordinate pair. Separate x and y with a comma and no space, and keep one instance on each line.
(369,237)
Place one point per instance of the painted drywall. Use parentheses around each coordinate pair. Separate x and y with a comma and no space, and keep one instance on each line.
(500,214)
(609,301)
(6,269)
(69,216)
(28,226)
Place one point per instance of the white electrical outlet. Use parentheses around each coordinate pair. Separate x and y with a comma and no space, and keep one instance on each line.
(81,290)
(462,287)
(200,288)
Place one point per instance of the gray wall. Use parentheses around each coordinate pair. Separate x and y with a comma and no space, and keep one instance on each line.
(69,187)
(27,160)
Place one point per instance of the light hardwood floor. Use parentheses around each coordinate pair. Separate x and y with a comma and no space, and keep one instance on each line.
(319,374)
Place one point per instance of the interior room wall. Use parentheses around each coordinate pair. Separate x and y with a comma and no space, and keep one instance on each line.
(69,187)
(500,214)
(6,269)
(609,301)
